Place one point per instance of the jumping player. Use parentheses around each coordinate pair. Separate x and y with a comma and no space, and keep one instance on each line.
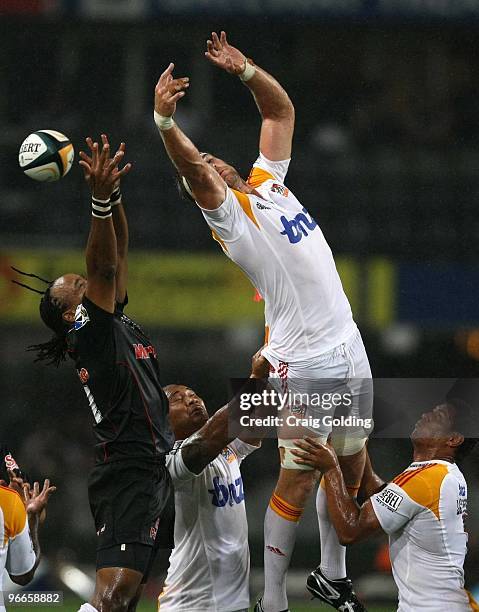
(311,334)
(209,566)
(117,366)
(421,510)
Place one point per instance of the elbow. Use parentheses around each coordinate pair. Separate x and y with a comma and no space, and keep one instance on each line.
(106,272)
(284,112)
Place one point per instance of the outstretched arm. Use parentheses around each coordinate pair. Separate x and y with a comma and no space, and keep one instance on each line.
(35,502)
(101,251)
(206,444)
(208,187)
(352,522)
(274,104)
(120,223)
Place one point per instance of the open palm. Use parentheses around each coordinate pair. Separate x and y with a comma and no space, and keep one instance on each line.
(225,56)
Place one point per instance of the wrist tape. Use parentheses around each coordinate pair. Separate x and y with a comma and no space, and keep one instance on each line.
(101,209)
(248,72)
(115,197)
(163,123)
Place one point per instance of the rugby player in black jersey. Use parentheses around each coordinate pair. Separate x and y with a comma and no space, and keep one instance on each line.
(129,486)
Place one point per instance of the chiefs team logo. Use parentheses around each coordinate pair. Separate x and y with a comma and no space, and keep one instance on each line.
(228,454)
(83,375)
(281,189)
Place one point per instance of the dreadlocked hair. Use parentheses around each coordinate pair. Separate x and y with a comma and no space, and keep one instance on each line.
(51,312)
(55,350)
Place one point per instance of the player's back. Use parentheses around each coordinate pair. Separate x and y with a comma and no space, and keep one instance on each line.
(281,248)
(118,368)
(422,511)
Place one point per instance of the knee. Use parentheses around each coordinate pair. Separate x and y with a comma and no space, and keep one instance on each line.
(115,600)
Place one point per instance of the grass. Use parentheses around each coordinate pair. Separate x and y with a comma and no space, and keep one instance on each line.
(72,605)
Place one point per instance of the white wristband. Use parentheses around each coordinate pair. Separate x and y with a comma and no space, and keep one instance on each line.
(248,72)
(163,123)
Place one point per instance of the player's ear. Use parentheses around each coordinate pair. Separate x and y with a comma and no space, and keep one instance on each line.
(455,440)
(69,315)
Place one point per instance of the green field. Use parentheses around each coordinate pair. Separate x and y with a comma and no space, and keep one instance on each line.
(72,605)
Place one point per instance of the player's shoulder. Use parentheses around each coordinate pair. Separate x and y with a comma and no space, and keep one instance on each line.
(13,510)
(422,483)
(8,496)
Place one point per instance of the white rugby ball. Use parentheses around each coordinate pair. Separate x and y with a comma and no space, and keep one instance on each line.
(46,155)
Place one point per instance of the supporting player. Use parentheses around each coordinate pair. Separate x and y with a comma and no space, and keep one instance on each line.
(209,566)
(21,507)
(311,333)
(116,362)
(421,510)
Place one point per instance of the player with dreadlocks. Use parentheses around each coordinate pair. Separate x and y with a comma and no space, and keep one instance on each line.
(129,487)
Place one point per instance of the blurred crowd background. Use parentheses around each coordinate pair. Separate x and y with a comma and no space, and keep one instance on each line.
(385,157)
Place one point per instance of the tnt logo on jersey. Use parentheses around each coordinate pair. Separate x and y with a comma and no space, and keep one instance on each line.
(390,499)
(298,227)
(81,317)
(229,493)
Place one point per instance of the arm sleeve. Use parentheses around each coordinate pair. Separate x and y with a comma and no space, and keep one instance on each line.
(21,556)
(242,449)
(177,467)
(394,508)
(228,220)
(264,169)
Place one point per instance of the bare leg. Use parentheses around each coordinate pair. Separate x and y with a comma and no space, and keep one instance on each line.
(116,589)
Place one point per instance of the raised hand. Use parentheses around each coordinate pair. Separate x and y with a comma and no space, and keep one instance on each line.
(168,91)
(225,56)
(319,456)
(101,172)
(88,159)
(35,500)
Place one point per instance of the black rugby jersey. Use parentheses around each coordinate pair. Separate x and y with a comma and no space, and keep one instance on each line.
(118,367)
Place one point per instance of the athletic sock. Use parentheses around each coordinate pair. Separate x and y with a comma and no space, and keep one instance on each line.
(86,607)
(333,554)
(280,526)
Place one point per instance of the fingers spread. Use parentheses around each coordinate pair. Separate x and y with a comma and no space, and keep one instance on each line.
(216,41)
(123,171)
(164,75)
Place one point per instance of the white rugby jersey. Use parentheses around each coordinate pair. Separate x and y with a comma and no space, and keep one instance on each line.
(282,250)
(16,550)
(422,510)
(209,566)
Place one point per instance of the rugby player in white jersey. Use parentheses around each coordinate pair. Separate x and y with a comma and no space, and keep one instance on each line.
(422,510)
(21,507)
(311,334)
(209,566)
